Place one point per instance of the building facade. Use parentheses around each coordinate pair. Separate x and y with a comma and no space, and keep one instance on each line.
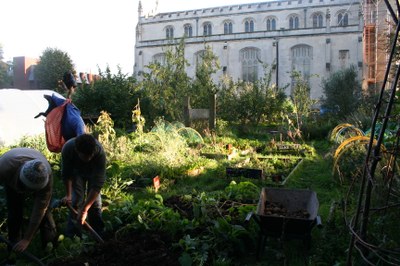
(313,37)
(24,73)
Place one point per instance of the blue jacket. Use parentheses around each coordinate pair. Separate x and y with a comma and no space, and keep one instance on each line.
(72,124)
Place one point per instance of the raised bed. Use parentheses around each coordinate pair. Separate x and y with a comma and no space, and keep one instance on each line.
(262,168)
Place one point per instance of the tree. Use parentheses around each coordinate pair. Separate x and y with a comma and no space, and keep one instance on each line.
(203,85)
(116,94)
(51,67)
(301,100)
(5,78)
(166,85)
(252,103)
(342,92)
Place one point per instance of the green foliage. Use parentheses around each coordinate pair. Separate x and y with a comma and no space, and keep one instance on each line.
(116,184)
(203,85)
(242,191)
(251,103)
(342,92)
(5,77)
(151,215)
(39,143)
(116,147)
(52,65)
(115,94)
(302,102)
(166,85)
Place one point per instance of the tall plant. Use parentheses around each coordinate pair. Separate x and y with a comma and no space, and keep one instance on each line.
(203,85)
(53,63)
(113,93)
(301,100)
(166,84)
(261,101)
(342,92)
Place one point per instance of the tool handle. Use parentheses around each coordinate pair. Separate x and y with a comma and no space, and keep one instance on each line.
(25,253)
(87,226)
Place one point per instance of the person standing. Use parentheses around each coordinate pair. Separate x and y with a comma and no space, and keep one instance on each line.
(83,170)
(25,173)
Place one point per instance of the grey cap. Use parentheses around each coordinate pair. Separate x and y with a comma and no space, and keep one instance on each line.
(34,174)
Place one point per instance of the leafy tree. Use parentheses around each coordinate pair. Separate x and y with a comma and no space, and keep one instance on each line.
(116,94)
(5,79)
(203,85)
(342,92)
(53,63)
(301,99)
(252,103)
(166,85)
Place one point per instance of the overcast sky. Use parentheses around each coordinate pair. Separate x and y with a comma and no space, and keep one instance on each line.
(95,33)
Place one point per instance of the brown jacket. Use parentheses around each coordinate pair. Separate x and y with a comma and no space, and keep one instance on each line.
(10,166)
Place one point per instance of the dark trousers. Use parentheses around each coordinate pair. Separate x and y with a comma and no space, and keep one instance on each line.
(80,188)
(15,221)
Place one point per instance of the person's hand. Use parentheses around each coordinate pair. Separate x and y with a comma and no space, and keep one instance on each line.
(21,245)
(82,214)
(66,200)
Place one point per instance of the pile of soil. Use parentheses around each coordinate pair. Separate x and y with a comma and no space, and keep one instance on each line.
(135,248)
(142,248)
(277,209)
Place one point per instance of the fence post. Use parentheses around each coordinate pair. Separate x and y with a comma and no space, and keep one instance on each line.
(213,112)
(186,111)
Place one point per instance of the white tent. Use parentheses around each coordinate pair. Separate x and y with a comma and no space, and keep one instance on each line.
(17,111)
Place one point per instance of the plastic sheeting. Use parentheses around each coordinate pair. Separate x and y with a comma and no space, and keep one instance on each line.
(17,111)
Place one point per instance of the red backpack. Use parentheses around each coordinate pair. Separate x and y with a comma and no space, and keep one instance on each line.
(52,125)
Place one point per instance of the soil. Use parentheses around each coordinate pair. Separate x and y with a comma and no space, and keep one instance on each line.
(141,248)
(137,248)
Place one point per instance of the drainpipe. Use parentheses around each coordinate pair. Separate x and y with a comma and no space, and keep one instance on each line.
(276,44)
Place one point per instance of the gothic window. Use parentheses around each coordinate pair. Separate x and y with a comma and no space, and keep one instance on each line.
(294,22)
(159,58)
(343,19)
(228,27)
(249,25)
(344,55)
(207,29)
(250,61)
(188,30)
(169,32)
(199,57)
(271,24)
(317,21)
(301,56)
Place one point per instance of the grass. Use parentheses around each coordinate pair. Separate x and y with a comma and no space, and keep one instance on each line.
(328,243)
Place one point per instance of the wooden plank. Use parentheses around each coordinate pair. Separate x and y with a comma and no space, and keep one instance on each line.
(195,114)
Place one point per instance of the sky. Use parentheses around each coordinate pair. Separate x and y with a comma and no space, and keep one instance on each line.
(94,33)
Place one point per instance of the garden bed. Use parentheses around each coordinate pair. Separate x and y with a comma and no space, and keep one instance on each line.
(270,168)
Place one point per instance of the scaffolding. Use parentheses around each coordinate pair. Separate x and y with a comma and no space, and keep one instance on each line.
(376,31)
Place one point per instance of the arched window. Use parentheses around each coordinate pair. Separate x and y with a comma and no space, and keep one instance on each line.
(207,29)
(169,32)
(317,20)
(343,19)
(271,24)
(249,25)
(159,58)
(228,27)
(301,56)
(188,30)
(250,61)
(294,22)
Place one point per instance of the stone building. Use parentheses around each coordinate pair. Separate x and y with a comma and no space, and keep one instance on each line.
(313,37)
